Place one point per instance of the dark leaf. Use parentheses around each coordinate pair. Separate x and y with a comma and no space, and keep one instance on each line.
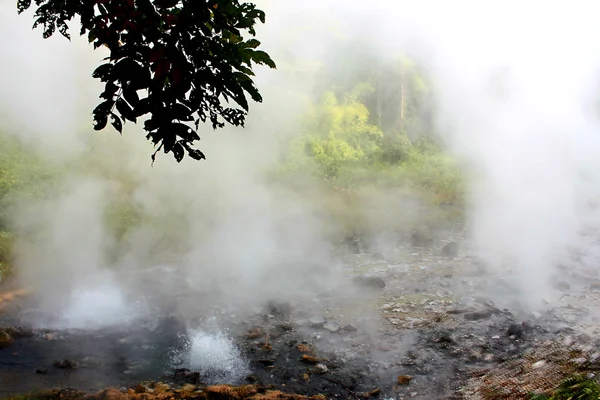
(116,122)
(103,72)
(252,44)
(23,5)
(184,132)
(178,152)
(168,139)
(260,57)
(132,97)
(181,112)
(100,122)
(125,110)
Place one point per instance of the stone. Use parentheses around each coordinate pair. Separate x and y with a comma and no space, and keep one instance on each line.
(67,363)
(332,326)
(255,333)
(352,245)
(317,322)
(41,371)
(321,368)
(378,257)
(309,359)
(516,330)
(267,362)
(450,250)
(369,282)
(477,315)
(140,389)
(19,332)
(279,308)
(421,238)
(349,328)
(188,387)
(404,379)
(5,339)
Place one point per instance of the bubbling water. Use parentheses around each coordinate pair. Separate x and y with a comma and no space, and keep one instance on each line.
(215,356)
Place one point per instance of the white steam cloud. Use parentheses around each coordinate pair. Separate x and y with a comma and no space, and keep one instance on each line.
(516,86)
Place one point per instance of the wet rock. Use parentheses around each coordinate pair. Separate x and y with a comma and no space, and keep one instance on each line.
(450,250)
(5,339)
(161,387)
(421,238)
(255,333)
(50,336)
(352,245)
(284,328)
(404,379)
(223,392)
(316,322)
(184,375)
(444,338)
(41,371)
(305,348)
(562,286)
(19,332)
(378,257)
(527,327)
(67,363)
(332,326)
(188,387)
(109,394)
(267,362)
(321,368)
(369,282)
(279,308)
(477,315)
(516,330)
(595,286)
(349,329)
(140,389)
(309,359)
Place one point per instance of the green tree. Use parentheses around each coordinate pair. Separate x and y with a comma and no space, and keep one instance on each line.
(188,58)
(340,132)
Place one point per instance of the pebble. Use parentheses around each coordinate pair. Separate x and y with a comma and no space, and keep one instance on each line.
(321,368)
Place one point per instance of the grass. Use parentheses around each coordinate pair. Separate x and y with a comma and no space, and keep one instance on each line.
(576,387)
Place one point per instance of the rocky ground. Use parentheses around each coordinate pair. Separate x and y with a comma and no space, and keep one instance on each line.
(430,323)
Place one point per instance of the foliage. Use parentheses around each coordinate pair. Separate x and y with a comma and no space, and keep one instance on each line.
(576,387)
(187,56)
(339,132)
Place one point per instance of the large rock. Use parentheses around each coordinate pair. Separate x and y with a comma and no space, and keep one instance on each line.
(421,238)
(369,282)
(5,339)
(352,245)
(450,250)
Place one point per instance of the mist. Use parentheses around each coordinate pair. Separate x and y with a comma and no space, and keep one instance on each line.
(516,96)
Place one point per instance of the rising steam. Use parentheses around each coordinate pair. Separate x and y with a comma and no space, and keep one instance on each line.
(516,88)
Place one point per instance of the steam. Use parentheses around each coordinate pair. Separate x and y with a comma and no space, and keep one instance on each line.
(516,103)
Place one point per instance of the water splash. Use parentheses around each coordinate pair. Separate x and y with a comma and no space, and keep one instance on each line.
(215,356)
(97,306)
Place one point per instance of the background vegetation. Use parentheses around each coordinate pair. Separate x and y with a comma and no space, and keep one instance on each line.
(366,145)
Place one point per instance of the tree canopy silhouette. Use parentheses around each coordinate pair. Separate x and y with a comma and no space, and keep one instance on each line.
(178,62)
